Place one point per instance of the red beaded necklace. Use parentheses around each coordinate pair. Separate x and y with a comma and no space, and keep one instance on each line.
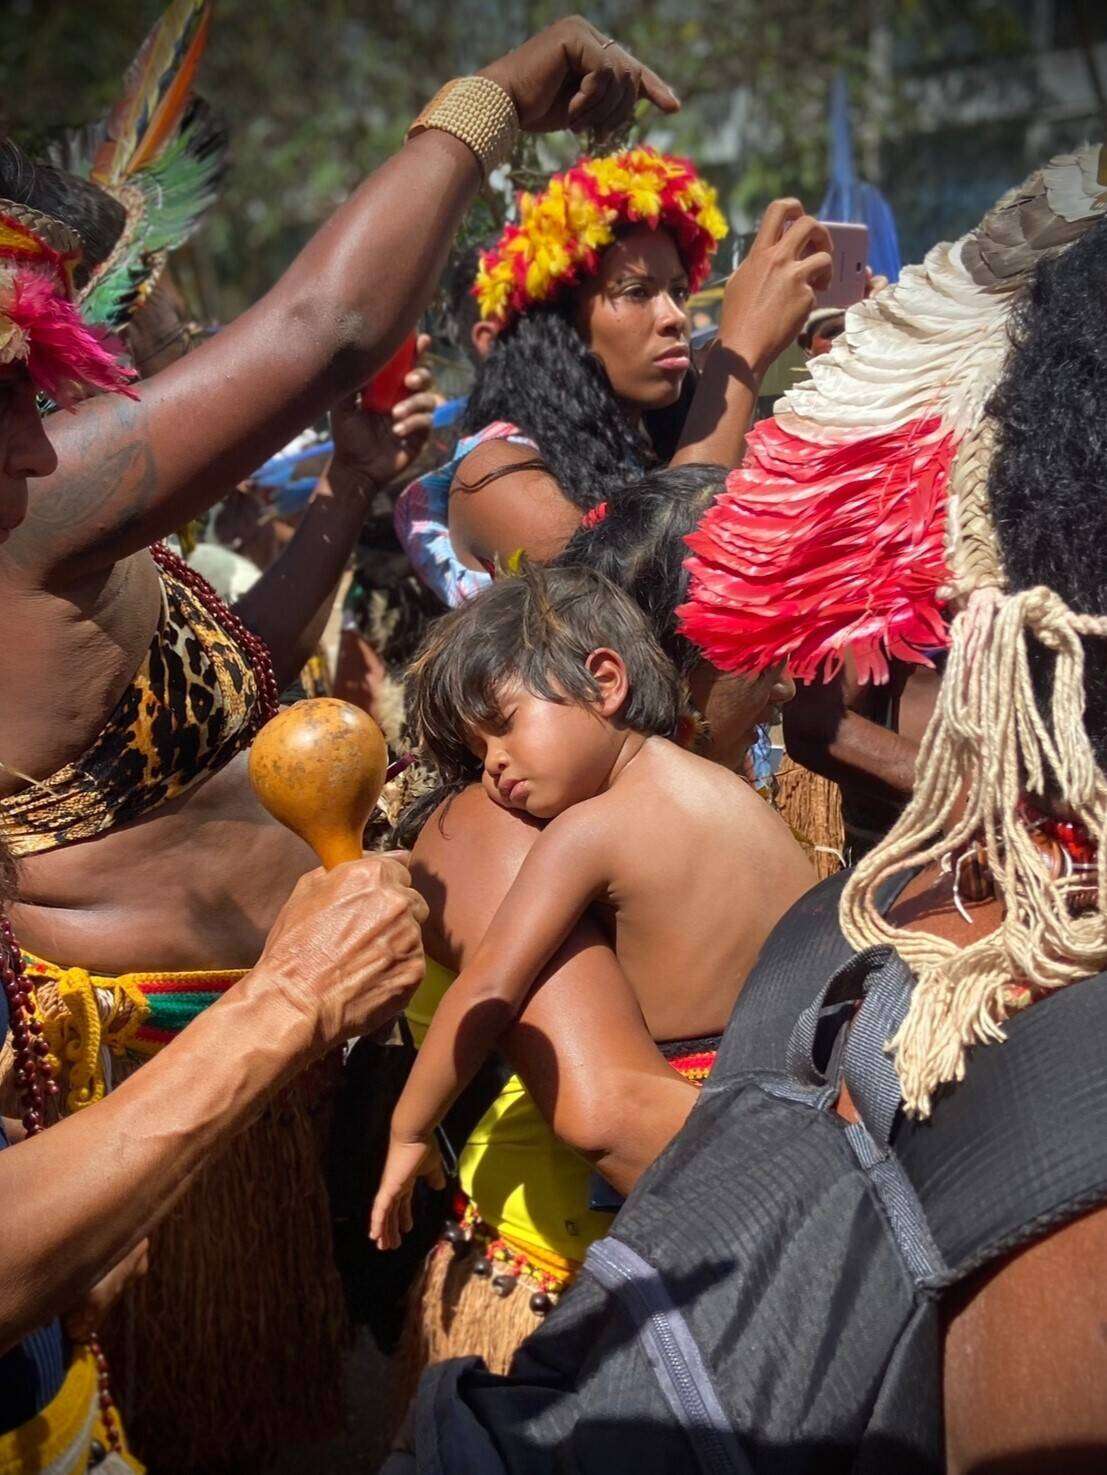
(261,660)
(1070,836)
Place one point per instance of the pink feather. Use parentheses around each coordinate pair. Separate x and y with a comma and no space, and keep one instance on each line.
(67,358)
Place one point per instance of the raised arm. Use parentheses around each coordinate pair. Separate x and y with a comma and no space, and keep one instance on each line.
(289,605)
(129,472)
(765,305)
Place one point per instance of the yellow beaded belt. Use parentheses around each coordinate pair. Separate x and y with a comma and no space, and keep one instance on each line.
(506,1262)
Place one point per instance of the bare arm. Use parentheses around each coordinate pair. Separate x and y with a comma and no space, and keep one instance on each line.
(289,605)
(78,1197)
(343,957)
(561,875)
(822,732)
(130,472)
(522,508)
(766,303)
(580,1010)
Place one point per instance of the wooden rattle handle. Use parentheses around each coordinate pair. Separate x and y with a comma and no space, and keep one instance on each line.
(319,767)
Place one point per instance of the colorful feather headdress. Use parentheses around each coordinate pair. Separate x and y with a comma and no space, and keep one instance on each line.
(561,233)
(830,537)
(160,153)
(40,325)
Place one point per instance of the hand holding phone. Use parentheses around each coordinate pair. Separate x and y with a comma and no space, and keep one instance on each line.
(850,252)
(768,299)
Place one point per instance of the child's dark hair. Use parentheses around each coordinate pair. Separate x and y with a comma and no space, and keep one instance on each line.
(538,629)
(639,545)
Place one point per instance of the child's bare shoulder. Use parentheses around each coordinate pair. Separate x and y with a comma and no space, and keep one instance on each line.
(702,788)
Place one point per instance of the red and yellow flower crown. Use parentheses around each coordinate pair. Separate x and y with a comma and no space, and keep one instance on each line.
(39,323)
(561,233)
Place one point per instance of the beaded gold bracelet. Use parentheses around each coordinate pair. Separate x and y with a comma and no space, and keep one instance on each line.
(477,111)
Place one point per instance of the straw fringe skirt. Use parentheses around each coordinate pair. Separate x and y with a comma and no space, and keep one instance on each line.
(231,1347)
(812,808)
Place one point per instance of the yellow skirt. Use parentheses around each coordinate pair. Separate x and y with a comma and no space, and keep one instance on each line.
(59,1439)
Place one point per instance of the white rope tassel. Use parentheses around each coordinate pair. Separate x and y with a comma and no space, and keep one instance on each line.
(987,744)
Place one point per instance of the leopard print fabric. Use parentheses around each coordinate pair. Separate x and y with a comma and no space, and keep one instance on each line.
(188,711)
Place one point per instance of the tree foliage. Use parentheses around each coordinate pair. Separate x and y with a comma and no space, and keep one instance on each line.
(318,92)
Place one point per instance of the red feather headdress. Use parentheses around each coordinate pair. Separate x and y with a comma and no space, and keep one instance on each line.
(830,537)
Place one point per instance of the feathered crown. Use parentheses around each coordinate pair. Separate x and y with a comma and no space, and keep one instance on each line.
(831,536)
(562,232)
(40,325)
(160,153)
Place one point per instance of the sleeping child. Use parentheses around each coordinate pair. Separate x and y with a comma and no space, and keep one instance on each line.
(553,688)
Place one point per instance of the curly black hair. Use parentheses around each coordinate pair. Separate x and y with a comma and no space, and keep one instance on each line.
(1048,477)
(542,377)
(639,545)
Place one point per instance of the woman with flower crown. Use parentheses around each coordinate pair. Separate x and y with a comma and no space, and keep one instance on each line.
(589,382)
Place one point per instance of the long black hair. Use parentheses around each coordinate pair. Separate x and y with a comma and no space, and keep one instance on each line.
(1048,479)
(542,377)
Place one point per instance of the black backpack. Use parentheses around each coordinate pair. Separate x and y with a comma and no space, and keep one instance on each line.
(768,1298)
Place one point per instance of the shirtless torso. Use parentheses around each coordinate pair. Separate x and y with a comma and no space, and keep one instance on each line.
(687,924)
(194,884)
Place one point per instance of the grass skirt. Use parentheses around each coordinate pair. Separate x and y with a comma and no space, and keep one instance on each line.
(231,1347)
(812,808)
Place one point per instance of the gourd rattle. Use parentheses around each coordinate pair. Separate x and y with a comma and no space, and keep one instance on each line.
(318,767)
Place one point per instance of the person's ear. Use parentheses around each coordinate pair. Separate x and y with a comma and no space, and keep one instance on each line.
(483,335)
(608,670)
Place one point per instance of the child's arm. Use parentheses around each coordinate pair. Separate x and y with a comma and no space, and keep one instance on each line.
(566,868)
